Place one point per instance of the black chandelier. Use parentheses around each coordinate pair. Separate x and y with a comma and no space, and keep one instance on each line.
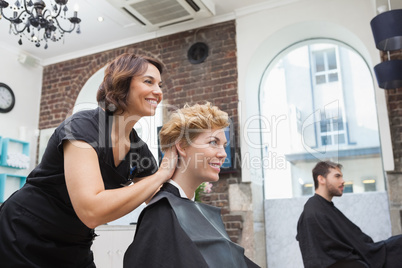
(40,23)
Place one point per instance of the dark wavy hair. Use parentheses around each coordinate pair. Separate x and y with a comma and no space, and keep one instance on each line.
(113,93)
(323,168)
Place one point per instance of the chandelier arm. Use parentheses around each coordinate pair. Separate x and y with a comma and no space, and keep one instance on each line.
(26,8)
(18,31)
(3,15)
(44,13)
(50,16)
(62,29)
(58,11)
(24,11)
(50,13)
(12,20)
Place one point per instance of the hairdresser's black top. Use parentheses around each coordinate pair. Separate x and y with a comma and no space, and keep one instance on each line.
(39,227)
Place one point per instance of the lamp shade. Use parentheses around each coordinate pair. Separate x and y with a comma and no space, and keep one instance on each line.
(389,74)
(387,30)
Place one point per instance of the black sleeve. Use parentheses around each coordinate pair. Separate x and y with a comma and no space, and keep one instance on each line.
(160,241)
(82,129)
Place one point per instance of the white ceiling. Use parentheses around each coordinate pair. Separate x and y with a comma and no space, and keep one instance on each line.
(97,36)
(114,32)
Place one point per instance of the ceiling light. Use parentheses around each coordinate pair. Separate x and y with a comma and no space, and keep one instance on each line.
(368,181)
(100,19)
(38,23)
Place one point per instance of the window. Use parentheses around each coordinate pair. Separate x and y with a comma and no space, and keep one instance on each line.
(325,65)
(369,185)
(332,130)
(326,89)
(323,92)
(348,187)
(307,189)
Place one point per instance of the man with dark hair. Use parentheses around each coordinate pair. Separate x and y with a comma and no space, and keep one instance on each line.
(328,239)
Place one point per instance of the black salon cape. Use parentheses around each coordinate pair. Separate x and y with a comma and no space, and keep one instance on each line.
(162,241)
(326,236)
(38,225)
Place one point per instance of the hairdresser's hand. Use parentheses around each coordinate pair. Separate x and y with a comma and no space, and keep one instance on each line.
(169,163)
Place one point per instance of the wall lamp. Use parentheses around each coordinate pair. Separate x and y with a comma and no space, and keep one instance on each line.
(387,32)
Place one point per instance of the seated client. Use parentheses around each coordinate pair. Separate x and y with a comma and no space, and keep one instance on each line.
(173,230)
(327,238)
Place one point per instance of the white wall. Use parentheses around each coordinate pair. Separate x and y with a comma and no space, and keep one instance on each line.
(25,80)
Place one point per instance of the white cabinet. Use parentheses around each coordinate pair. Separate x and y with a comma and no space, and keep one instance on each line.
(14,153)
(111,244)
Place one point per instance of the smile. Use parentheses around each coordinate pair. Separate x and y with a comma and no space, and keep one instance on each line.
(217,166)
(152,101)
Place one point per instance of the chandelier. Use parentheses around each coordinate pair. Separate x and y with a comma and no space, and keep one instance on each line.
(38,23)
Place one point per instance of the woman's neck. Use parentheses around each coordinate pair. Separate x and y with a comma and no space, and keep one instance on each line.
(120,137)
(182,178)
(122,127)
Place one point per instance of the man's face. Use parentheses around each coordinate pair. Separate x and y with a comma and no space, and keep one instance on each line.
(334,182)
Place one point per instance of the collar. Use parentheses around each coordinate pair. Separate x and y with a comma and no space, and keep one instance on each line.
(324,200)
(181,191)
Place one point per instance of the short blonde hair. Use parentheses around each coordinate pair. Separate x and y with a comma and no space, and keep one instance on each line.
(187,123)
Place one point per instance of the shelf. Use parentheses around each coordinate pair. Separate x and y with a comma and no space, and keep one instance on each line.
(4,149)
(3,177)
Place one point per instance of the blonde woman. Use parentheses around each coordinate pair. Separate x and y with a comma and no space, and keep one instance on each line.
(173,230)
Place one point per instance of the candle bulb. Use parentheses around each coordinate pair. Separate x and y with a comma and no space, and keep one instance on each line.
(76,8)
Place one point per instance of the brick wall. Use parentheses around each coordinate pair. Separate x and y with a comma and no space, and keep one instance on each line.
(394,103)
(215,80)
